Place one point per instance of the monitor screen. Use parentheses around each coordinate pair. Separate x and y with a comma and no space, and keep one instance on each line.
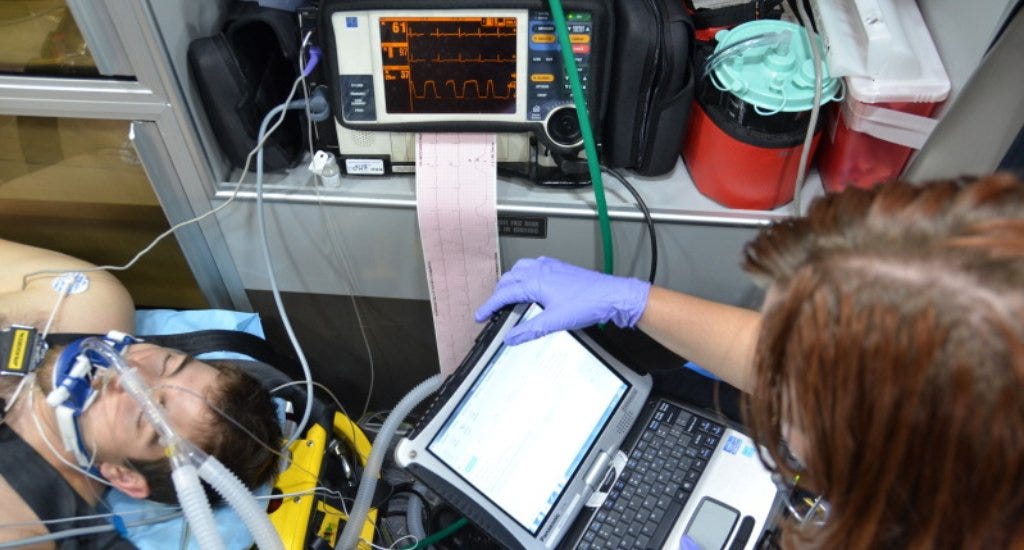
(449,65)
(527,423)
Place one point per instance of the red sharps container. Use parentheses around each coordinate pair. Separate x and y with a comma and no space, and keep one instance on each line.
(895,81)
(751,114)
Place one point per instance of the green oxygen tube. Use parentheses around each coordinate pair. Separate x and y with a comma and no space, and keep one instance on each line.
(589,145)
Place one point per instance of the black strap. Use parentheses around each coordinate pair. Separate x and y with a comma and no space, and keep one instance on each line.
(198,342)
(48,494)
(39,485)
(205,341)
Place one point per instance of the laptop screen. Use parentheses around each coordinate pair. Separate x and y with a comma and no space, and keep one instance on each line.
(527,423)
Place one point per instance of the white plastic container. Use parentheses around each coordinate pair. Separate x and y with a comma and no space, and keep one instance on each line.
(894,82)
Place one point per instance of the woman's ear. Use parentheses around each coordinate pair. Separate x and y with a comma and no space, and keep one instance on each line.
(125,479)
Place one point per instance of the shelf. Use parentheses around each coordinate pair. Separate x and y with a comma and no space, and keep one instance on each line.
(671,198)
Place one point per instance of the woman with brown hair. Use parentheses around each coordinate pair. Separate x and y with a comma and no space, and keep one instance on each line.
(885,371)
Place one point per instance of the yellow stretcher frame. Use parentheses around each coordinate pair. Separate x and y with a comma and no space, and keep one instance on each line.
(306,511)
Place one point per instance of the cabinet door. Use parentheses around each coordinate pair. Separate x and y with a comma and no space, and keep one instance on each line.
(40,37)
(78,79)
(77,185)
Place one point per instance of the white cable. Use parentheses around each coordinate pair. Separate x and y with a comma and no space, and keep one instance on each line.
(330,231)
(48,537)
(275,291)
(323,387)
(305,91)
(81,531)
(226,416)
(812,42)
(258,149)
(342,255)
(319,490)
(172,512)
(46,440)
(53,312)
(412,539)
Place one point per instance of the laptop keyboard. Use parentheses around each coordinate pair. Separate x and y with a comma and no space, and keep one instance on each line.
(664,465)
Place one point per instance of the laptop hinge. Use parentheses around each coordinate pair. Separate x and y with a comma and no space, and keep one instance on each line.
(598,471)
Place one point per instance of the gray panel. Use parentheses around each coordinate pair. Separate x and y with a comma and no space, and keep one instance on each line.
(181,22)
(976,131)
(378,235)
(313,247)
(335,333)
(697,259)
(961,49)
(78,98)
(100,34)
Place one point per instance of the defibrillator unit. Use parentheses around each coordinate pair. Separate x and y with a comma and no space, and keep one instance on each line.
(405,66)
(394,68)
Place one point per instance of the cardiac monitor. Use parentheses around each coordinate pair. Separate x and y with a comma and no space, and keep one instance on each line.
(405,66)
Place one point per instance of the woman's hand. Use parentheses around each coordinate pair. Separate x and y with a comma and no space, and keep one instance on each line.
(572,298)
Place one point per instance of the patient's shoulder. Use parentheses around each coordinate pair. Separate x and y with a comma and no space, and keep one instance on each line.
(32,284)
(20,521)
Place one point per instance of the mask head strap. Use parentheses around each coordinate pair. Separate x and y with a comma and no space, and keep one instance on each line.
(73,375)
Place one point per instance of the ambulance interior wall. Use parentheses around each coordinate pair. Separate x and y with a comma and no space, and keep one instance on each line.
(381,297)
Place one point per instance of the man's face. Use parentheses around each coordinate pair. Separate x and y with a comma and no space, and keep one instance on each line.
(115,425)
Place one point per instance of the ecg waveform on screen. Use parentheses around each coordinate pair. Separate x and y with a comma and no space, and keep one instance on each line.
(449,64)
(459,33)
(467,89)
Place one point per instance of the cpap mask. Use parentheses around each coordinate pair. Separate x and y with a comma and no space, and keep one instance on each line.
(79,365)
(85,361)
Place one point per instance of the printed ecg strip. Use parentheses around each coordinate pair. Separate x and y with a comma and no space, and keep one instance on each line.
(456,176)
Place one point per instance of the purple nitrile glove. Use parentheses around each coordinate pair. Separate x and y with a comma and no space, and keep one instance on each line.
(686,543)
(572,298)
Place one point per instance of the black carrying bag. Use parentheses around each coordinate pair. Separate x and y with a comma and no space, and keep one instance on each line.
(652,86)
(735,14)
(242,73)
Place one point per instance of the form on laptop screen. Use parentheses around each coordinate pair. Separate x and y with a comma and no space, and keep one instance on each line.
(523,429)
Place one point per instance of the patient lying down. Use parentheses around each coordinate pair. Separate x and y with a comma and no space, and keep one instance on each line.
(52,469)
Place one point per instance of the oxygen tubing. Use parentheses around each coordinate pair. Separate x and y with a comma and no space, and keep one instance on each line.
(589,144)
(812,43)
(414,516)
(361,506)
(264,131)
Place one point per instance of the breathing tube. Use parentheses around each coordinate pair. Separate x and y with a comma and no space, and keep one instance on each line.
(189,463)
(364,496)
